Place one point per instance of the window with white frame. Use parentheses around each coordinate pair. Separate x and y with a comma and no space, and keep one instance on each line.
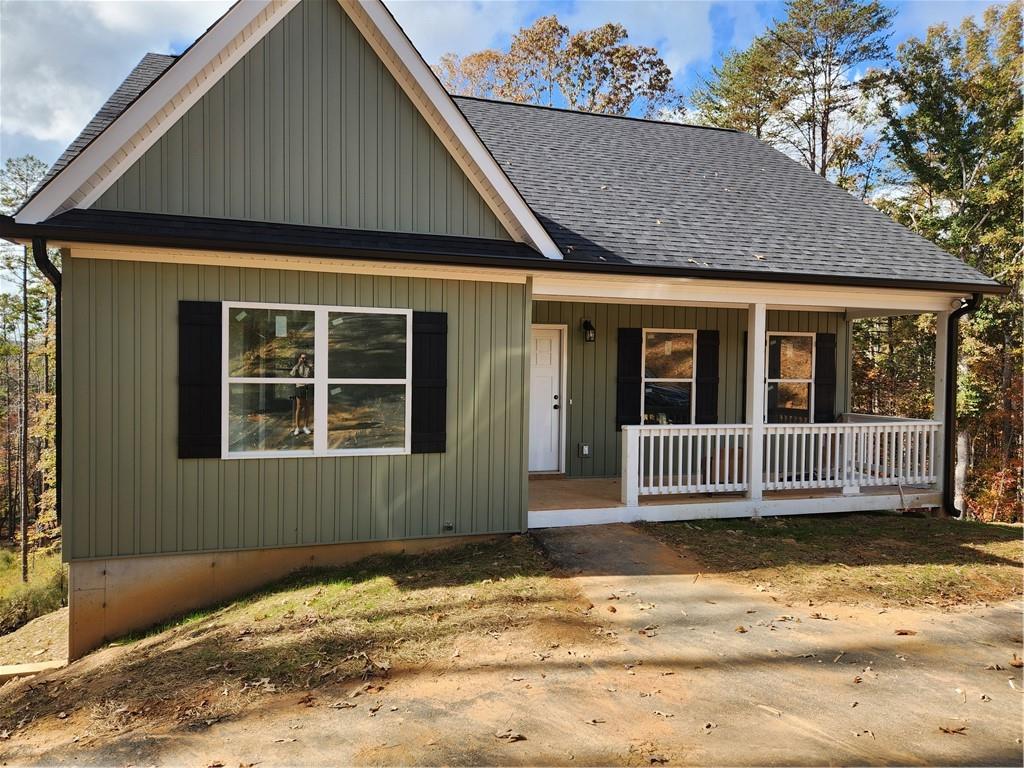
(667,394)
(304,380)
(789,385)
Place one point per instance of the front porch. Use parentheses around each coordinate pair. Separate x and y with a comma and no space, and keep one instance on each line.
(696,472)
(650,401)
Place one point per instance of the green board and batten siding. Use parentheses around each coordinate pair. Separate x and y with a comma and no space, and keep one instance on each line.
(308,128)
(592,367)
(127,493)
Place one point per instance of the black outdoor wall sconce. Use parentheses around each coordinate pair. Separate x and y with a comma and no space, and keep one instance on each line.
(589,331)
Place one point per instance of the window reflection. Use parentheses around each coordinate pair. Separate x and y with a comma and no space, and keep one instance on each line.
(265,343)
(260,418)
(667,402)
(668,355)
(366,416)
(789,357)
(789,402)
(363,345)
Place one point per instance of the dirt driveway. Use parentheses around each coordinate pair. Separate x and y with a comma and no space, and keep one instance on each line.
(677,668)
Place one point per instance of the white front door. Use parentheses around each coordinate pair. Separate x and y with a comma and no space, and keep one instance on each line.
(546,400)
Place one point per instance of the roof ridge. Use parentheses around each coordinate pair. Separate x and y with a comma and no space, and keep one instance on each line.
(551,108)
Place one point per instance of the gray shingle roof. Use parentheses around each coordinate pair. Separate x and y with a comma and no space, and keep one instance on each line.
(141,77)
(634,192)
(615,189)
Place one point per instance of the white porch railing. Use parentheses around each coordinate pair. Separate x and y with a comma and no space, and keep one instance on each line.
(673,459)
(709,458)
(850,455)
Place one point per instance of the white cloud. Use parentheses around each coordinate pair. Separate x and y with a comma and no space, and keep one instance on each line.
(681,31)
(60,60)
(460,26)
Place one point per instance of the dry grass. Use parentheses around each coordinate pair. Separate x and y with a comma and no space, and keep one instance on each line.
(312,631)
(860,558)
(45,591)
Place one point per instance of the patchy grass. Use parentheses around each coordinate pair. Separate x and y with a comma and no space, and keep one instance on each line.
(45,591)
(859,558)
(313,631)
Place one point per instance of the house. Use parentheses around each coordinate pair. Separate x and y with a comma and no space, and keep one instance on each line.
(313,307)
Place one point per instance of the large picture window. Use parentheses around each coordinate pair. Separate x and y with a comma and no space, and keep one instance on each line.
(667,395)
(789,385)
(315,381)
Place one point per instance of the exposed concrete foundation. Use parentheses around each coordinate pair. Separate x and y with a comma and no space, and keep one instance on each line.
(112,597)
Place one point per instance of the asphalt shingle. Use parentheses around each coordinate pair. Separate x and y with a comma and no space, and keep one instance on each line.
(612,189)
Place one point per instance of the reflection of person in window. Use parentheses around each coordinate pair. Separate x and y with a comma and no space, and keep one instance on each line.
(302,370)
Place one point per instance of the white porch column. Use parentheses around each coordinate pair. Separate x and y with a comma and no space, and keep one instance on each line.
(755,399)
(939,412)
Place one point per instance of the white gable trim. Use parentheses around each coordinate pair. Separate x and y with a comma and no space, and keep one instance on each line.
(136,129)
(412,73)
(125,140)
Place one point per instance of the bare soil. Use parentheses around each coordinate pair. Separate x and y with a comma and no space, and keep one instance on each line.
(607,647)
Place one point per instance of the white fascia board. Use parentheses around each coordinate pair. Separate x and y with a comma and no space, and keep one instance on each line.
(691,290)
(136,129)
(415,77)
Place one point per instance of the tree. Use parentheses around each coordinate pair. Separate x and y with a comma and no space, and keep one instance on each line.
(593,70)
(26,323)
(821,43)
(475,74)
(601,73)
(952,107)
(746,92)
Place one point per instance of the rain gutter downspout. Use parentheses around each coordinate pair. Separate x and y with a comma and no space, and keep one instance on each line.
(967,306)
(48,268)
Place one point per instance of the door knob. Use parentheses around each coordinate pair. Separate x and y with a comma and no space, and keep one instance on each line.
(555,406)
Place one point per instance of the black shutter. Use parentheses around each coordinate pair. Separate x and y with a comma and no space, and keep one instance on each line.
(199,379)
(429,381)
(627,392)
(707,377)
(824,377)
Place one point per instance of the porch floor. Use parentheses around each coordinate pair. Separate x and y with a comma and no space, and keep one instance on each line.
(550,493)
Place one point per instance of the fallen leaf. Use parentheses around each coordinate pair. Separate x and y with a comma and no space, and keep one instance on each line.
(986,697)
(906,631)
(741,629)
(611,608)
(593,721)
(1017,662)
(708,727)
(343,705)
(663,714)
(215,764)
(657,759)
(509,736)
(959,730)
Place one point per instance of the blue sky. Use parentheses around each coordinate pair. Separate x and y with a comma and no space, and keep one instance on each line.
(60,59)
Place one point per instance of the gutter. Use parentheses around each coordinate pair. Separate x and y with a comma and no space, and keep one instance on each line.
(967,307)
(142,234)
(48,268)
